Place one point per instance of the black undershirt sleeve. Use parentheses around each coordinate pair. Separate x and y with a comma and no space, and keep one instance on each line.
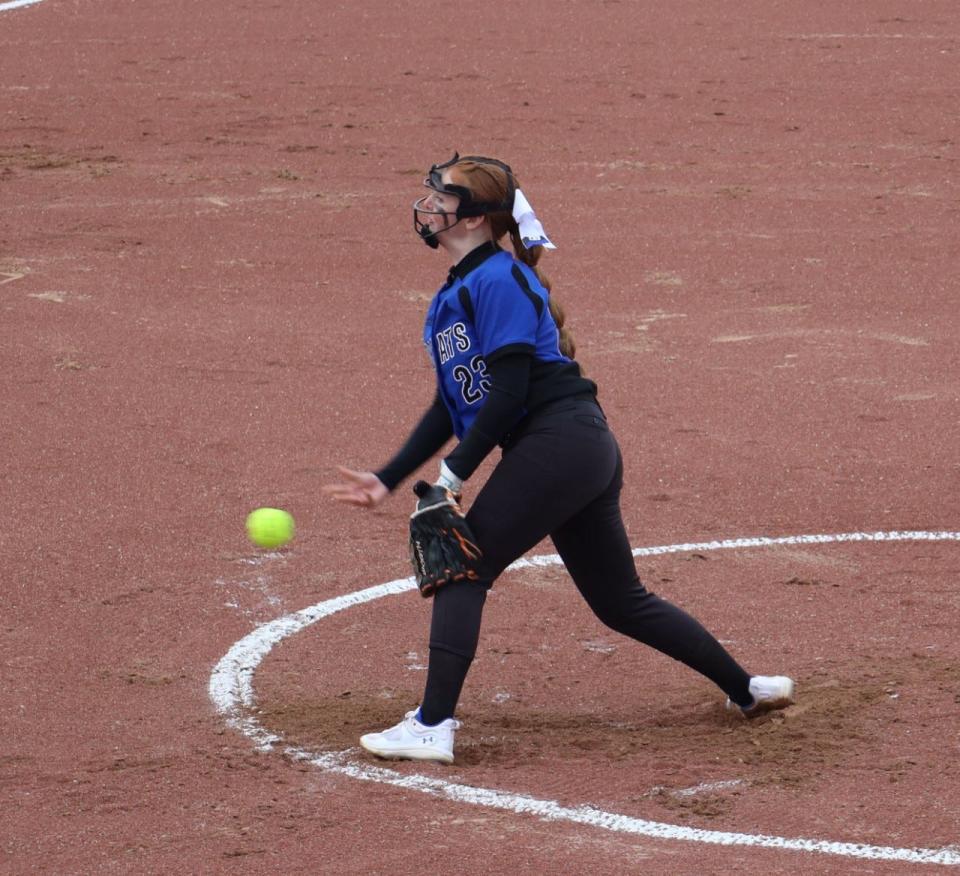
(509,385)
(427,437)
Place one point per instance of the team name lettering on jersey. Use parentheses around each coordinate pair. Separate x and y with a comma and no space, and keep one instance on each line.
(451,341)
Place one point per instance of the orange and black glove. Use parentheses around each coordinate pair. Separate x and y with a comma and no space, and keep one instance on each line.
(442,547)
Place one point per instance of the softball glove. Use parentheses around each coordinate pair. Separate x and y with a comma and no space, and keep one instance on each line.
(442,547)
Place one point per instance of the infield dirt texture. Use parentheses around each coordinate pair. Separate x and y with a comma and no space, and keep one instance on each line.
(207,253)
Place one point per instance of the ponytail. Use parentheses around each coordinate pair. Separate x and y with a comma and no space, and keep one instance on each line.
(530,257)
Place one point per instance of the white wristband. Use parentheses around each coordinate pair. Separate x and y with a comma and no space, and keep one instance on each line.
(448,479)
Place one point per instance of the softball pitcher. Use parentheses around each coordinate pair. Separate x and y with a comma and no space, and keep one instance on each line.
(506,375)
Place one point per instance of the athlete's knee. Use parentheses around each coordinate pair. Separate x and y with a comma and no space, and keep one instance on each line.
(627,616)
(457,613)
(613,620)
(458,650)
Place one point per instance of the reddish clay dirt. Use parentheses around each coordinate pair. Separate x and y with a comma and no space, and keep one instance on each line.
(210,294)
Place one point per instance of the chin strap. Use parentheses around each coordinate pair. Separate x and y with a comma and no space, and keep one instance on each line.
(531,231)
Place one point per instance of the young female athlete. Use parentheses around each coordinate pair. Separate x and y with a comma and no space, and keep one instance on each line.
(506,376)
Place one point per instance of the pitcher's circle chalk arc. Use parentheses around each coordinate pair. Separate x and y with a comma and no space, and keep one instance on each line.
(15,4)
(231,689)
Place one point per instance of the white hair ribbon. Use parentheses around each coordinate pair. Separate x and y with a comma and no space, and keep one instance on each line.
(531,231)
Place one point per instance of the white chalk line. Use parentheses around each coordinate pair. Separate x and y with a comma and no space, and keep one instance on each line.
(15,4)
(871,36)
(231,690)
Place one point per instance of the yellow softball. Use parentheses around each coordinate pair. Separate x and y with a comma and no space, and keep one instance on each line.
(270,527)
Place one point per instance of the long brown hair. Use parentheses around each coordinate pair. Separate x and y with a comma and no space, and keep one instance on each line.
(488,183)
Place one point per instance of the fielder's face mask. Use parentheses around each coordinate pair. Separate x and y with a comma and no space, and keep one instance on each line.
(466,205)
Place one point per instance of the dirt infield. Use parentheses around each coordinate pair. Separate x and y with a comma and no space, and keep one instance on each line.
(210,294)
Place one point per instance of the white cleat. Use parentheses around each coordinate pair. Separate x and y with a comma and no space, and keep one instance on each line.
(411,740)
(769,692)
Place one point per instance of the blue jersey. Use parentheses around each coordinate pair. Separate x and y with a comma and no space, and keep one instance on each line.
(490,306)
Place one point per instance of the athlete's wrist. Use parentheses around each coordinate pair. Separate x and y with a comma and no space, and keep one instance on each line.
(448,479)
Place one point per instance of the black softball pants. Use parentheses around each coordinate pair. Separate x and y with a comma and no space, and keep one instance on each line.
(561,475)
